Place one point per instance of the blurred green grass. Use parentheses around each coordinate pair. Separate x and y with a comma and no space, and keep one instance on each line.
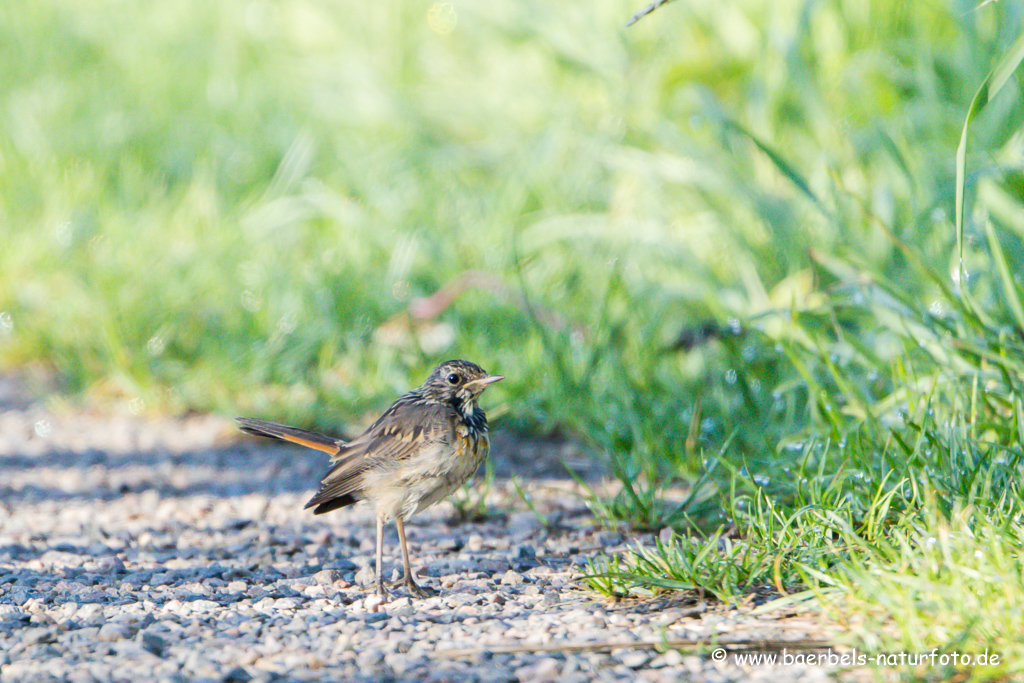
(214,206)
(720,246)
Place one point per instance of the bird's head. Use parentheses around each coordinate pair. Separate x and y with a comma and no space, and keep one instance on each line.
(458,382)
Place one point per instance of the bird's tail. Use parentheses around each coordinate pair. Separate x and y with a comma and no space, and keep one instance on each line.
(302,437)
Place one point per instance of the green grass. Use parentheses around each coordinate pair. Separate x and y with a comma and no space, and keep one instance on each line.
(770,252)
(950,581)
(890,484)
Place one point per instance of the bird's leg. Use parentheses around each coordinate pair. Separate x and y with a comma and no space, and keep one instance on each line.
(414,588)
(380,557)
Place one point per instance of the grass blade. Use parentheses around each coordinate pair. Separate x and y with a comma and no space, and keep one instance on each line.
(991,86)
(1009,286)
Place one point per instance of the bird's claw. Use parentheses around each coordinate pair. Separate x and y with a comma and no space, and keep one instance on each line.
(420,591)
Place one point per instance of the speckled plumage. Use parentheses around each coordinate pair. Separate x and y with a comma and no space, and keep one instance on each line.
(425,446)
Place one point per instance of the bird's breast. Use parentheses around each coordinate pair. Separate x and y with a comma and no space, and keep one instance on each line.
(471,446)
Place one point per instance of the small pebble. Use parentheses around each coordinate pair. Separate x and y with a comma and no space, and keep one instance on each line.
(153,643)
(112,631)
(474,543)
(111,563)
(495,565)
(12,613)
(38,635)
(672,658)
(365,576)
(635,659)
(511,578)
(372,602)
(328,576)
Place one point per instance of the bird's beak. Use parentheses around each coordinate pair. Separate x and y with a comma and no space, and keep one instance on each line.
(484,381)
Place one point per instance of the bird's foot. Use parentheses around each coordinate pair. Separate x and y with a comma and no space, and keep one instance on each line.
(417,590)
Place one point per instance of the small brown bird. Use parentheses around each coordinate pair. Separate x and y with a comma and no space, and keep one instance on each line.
(424,447)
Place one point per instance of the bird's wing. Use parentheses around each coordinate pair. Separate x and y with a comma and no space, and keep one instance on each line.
(397,435)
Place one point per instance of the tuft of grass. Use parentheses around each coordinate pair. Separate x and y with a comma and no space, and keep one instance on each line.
(770,549)
(949,582)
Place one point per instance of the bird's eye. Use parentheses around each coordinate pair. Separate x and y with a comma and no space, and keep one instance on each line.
(453,378)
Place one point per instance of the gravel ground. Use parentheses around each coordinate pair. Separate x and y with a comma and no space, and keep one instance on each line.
(139,549)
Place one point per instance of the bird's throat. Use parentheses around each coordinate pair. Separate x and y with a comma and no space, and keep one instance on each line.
(467,407)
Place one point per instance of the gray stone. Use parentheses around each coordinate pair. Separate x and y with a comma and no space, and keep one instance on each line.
(365,576)
(495,565)
(152,643)
(113,631)
(236,675)
(39,635)
(511,578)
(325,577)
(13,613)
(111,563)
(635,659)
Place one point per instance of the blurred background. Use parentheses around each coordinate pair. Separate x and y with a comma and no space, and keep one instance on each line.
(721,241)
